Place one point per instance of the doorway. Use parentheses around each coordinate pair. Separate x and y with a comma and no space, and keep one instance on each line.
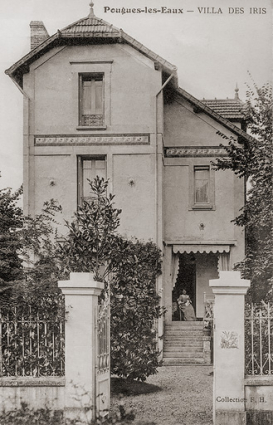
(186,279)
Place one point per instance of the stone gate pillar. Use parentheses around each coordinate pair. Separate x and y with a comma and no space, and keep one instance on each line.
(81,299)
(229,349)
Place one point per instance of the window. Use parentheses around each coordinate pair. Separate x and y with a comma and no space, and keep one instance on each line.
(91,99)
(201,184)
(202,188)
(89,168)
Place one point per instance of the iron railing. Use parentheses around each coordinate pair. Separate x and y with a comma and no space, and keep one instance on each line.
(31,342)
(208,313)
(103,336)
(259,339)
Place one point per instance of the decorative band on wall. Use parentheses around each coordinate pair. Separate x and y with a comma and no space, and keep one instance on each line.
(193,151)
(91,140)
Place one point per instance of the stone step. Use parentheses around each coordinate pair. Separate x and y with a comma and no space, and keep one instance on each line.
(182,362)
(173,348)
(189,333)
(184,355)
(183,343)
(183,324)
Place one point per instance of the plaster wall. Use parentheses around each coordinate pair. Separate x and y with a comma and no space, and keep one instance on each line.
(131,84)
(35,392)
(181,223)
(135,194)
(184,127)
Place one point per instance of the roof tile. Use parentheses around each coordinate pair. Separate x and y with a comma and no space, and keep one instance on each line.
(227,108)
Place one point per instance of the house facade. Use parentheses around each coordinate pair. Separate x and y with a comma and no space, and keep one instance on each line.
(97,102)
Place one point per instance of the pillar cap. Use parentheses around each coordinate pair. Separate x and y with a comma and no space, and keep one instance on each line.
(229,282)
(81,281)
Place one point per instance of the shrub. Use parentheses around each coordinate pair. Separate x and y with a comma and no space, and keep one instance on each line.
(28,416)
(135,307)
(130,268)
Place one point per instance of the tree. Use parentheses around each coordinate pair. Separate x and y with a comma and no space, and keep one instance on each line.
(88,246)
(253,161)
(129,269)
(11,222)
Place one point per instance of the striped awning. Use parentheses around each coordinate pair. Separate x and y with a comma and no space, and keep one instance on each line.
(200,248)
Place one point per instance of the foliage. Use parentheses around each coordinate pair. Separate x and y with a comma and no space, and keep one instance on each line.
(134,309)
(11,221)
(32,340)
(39,251)
(258,343)
(92,244)
(253,161)
(88,245)
(28,416)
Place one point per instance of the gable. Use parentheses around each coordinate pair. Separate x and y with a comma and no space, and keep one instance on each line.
(184,127)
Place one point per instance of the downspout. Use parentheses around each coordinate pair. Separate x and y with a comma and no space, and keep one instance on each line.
(26,105)
(160,328)
(156,147)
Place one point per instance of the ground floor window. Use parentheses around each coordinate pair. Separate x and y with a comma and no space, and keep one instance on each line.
(88,168)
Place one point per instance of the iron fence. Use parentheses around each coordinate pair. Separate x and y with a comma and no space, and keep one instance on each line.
(259,339)
(31,341)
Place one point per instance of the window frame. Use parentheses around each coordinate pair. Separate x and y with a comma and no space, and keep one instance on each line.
(193,205)
(80,159)
(81,77)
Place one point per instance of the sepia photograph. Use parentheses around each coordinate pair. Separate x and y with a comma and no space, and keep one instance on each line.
(136,212)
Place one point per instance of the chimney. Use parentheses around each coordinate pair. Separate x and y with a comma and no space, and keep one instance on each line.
(38,33)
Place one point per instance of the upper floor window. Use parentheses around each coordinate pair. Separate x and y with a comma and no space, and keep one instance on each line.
(201,184)
(91,99)
(202,187)
(88,169)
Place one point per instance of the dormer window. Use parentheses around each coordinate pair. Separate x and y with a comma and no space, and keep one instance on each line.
(91,100)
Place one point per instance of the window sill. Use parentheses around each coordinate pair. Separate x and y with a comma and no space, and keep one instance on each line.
(202,207)
(88,128)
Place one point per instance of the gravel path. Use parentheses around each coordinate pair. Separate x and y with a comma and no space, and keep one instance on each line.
(185,397)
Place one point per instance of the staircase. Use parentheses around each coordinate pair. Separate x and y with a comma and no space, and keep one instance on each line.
(184,344)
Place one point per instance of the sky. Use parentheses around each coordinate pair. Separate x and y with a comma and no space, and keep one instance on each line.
(214,44)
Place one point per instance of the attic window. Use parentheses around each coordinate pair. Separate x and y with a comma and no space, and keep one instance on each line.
(91,100)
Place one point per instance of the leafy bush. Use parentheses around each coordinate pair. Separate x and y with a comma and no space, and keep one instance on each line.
(130,268)
(134,309)
(11,221)
(33,337)
(92,245)
(28,416)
